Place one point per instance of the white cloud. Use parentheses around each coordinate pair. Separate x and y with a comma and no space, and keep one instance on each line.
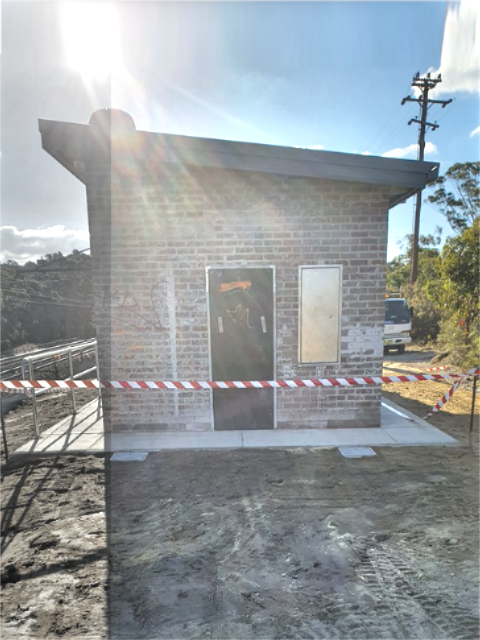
(411,151)
(32,244)
(366,153)
(475,132)
(431,149)
(460,59)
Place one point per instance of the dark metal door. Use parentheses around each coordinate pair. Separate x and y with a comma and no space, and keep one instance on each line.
(242,344)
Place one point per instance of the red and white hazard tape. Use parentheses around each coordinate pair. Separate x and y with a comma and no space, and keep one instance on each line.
(448,396)
(191,385)
(445,398)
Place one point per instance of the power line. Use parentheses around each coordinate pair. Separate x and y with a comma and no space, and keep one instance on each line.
(54,270)
(39,294)
(389,130)
(391,134)
(387,124)
(47,299)
(48,302)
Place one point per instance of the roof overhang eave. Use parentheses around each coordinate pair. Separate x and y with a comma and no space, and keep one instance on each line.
(405,177)
(402,197)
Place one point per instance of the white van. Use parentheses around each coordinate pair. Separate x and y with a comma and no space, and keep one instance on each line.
(398,325)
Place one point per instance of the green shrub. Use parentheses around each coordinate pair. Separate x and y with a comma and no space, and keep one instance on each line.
(426,315)
(462,346)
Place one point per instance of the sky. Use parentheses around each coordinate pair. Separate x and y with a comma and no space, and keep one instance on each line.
(321,75)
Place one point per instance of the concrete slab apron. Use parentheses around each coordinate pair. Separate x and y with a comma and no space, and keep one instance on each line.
(80,433)
(406,429)
(84,433)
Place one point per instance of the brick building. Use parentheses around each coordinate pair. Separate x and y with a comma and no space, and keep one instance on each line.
(219,260)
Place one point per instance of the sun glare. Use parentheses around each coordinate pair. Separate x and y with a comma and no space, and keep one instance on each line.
(92,39)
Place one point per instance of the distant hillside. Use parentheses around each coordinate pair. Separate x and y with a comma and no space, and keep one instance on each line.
(47,300)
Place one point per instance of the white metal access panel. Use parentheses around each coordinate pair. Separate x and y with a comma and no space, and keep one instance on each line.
(320,301)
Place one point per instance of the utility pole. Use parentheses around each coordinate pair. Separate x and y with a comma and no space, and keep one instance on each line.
(424,84)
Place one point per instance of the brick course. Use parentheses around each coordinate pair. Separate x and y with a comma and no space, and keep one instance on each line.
(152,237)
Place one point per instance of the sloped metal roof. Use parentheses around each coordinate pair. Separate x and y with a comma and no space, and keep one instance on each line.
(75,145)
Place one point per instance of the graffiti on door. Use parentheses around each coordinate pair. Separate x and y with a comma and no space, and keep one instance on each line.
(240,305)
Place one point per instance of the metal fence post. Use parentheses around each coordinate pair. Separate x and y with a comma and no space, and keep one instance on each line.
(34,400)
(72,391)
(24,376)
(4,435)
(98,377)
(472,411)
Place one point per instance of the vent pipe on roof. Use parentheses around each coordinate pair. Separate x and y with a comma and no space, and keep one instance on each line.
(112,121)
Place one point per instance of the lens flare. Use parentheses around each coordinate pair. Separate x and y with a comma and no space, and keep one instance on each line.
(92,38)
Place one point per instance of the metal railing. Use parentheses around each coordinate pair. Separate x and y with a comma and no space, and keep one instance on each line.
(11,366)
(68,353)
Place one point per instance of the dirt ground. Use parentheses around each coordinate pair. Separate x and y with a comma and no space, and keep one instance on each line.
(294,543)
(420,397)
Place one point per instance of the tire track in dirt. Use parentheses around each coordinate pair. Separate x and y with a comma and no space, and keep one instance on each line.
(394,583)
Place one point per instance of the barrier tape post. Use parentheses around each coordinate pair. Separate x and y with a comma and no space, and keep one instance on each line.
(34,403)
(472,412)
(4,435)
(448,396)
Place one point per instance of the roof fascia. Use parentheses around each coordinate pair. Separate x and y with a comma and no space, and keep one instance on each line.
(224,154)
